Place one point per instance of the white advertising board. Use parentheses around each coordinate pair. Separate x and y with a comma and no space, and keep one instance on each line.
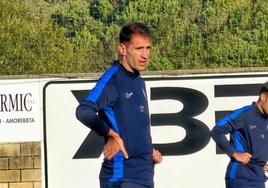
(20,110)
(183,109)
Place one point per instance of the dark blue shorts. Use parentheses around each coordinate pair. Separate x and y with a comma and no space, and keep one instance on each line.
(233,183)
(122,185)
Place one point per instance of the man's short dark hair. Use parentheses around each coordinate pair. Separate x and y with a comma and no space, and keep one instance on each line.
(131,28)
(264,88)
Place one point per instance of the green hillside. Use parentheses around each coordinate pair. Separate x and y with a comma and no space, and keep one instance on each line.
(76,36)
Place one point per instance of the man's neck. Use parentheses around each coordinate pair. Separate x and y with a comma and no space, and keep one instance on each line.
(126,65)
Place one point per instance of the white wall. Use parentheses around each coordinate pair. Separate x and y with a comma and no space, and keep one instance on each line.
(202,168)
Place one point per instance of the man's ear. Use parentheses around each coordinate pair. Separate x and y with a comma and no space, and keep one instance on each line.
(263,96)
(122,49)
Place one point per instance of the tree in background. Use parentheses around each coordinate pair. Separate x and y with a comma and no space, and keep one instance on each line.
(68,36)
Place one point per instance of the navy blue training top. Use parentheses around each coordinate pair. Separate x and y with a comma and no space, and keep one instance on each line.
(248,129)
(119,101)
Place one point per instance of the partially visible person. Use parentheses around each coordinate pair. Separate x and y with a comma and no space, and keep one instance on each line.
(117,109)
(248,145)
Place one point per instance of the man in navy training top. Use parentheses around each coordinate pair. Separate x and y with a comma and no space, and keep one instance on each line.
(117,109)
(248,145)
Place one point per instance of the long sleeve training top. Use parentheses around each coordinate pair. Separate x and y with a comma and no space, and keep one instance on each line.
(119,101)
(248,129)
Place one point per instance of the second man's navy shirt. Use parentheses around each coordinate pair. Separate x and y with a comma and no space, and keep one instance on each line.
(248,129)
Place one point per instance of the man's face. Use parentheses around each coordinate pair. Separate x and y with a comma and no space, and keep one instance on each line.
(136,52)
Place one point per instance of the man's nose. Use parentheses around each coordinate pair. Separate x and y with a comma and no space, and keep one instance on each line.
(145,53)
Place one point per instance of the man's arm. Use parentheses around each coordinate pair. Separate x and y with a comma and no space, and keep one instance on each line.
(88,116)
(218,134)
(223,127)
(103,95)
(86,113)
(219,137)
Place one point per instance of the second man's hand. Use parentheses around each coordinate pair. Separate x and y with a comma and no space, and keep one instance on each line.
(113,146)
(157,156)
(244,157)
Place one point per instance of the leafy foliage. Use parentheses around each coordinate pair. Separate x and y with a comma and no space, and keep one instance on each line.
(68,36)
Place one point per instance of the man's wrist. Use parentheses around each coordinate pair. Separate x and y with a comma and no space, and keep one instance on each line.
(112,133)
(234,154)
